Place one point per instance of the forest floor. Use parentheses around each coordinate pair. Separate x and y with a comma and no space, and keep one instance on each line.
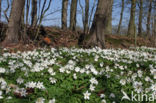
(56,37)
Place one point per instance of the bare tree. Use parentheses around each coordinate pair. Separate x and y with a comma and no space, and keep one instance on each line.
(131,26)
(121,16)
(140,17)
(73,11)
(43,12)
(99,27)
(64,13)
(34,13)
(12,34)
(149,17)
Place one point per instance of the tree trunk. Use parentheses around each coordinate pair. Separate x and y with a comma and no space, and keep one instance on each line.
(131,26)
(121,16)
(99,26)
(154,31)
(34,13)
(0,9)
(140,18)
(73,11)
(64,13)
(109,23)
(86,16)
(149,18)
(12,34)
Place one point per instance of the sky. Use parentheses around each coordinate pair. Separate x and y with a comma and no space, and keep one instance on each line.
(55,18)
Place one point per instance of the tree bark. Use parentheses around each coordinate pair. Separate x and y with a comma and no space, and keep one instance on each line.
(121,16)
(86,16)
(12,34)
(131,26)
(34,13)
(149,18)
(64,13)
(109,23)
(73,11)
(99,26)
(140,18)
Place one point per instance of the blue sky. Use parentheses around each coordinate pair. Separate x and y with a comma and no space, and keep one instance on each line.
(55,18)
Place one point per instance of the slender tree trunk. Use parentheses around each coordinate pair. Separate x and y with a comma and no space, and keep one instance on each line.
(121,16)
(64,13)
(25,37)
(154,31)
(131,26)
(109,23)
(86,16)
(99,27)
(0,9)
(140,18)
(34,13)
(73,11)
(149,18)
(12,34)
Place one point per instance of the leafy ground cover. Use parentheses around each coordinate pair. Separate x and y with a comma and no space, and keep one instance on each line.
(78,75)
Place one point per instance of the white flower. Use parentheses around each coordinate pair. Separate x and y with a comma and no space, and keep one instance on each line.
(101,64)
(87,66)
(96,58)
(40,100)
(154,74)
(82,70)
(129,80)
(62,70)
(2,70)
(40,85)
(94,81)
(140,73)
(52,80)
(8,90)
(86,95)
(92,88)
(147,90)
(102,95)
(30,84)
(137,65)
(134,76)
(20,80)
(74,76)
(122,81)
(138,87)
(77,69)
(103,101)
(52,101)
(1,93)
(23,92)
(9,97)
(153,87)
(147,79)
(121,67)
(51,71)
(112,95)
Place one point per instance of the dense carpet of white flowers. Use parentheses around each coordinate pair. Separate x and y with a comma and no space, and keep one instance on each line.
(77,75)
